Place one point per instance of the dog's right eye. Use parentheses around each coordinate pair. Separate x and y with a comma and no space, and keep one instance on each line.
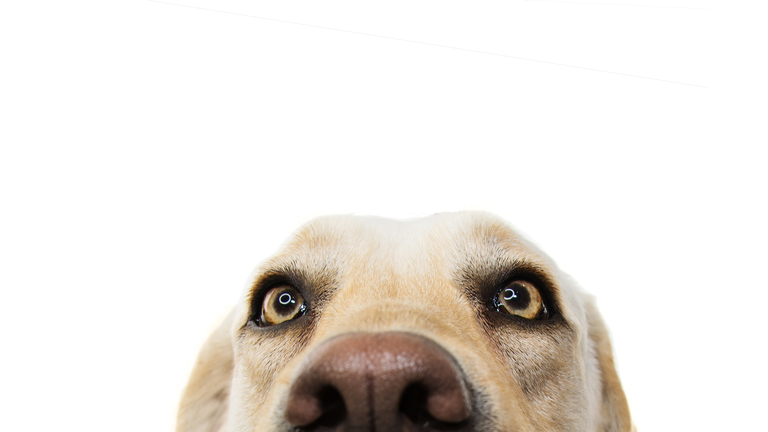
(280,304)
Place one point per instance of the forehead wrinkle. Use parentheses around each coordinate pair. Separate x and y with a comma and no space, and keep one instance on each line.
(378,263)
(386,259)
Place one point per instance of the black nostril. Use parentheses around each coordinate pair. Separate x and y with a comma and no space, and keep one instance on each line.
(333,409)
(413,406)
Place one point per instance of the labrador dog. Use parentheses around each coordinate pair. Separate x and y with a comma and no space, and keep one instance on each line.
(449,323)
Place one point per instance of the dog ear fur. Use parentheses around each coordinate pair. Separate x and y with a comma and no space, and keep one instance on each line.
(205,402)
(614,408)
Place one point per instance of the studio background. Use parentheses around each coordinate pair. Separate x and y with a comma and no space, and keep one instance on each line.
(154,152)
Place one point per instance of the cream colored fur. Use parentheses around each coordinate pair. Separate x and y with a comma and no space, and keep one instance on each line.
(405,276)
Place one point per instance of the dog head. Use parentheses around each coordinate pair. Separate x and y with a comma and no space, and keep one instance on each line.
(452,322)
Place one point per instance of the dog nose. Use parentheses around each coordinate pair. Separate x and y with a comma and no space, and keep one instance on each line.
(379,382)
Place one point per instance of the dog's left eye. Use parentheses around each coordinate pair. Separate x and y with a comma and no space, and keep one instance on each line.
(521,298)
(280,304)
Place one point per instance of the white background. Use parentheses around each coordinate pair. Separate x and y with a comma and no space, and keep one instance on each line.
(153,153)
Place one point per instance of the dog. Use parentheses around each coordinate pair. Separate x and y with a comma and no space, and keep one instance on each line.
(453,322)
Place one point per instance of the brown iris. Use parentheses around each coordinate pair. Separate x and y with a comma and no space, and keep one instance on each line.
(521,298)
(281,303)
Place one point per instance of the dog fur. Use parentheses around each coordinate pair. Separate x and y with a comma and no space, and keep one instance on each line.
(430,277)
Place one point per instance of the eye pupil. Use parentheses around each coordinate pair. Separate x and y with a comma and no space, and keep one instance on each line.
(285,299)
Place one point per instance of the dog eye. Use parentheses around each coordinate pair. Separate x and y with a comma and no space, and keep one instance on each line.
(521,298)
(281,304)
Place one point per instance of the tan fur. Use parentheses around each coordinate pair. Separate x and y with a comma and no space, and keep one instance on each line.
(424,277)
(205,400)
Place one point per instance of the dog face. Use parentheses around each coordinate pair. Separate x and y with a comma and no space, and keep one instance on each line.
(452,322)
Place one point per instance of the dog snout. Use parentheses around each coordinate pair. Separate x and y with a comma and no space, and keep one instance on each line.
(390,381)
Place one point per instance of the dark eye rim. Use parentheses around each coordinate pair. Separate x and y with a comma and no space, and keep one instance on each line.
(260,292)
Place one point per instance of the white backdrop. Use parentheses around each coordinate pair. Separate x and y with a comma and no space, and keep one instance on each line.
(153,153)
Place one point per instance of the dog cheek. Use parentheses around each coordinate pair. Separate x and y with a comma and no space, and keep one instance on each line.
(546,371)
(259,363)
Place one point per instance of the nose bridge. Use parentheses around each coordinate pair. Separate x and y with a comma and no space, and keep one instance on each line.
(440,317)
